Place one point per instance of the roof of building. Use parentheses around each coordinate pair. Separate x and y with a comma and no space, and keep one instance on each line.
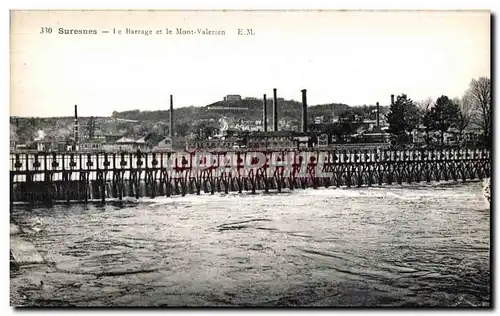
(125,140)
(165,141)
(13,135)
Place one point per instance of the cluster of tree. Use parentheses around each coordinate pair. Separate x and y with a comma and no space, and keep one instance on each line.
(349,120)
(340,129)
(354,114)
(26,128)
(405,115)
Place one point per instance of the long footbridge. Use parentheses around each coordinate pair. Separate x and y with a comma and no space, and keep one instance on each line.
(84,177)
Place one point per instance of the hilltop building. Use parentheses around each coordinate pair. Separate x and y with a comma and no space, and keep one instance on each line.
(232,98)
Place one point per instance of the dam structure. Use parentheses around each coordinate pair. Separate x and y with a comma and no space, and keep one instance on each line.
(77,177)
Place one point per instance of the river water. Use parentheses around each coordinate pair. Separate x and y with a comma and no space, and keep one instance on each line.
(411,245)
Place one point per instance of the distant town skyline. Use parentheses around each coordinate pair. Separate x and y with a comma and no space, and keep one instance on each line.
(350,57)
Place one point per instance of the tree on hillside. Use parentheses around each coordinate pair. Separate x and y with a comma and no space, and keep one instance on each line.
(464,115)
(181,129)
(342,129)
(443,115)
(347,115)
(424,109)
(403,117)
(479,97)
(368,111)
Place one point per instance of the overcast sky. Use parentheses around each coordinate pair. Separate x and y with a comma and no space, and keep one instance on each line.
(347,57)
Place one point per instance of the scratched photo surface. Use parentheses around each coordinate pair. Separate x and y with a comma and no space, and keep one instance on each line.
(250,158)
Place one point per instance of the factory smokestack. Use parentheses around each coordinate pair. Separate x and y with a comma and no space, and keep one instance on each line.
(75,146)
(171,127)
(264,113)
(275,110)
(392,99)
(378,115)
(304,111)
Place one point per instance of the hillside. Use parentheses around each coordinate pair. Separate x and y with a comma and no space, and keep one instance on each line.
(186,119)
(247,109)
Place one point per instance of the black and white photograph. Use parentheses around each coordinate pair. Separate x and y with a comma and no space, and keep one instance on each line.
(250,158)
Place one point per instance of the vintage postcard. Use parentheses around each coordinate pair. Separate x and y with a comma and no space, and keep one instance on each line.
(250,158)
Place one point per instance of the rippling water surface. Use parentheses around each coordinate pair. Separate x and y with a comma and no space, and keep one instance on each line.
(414,245)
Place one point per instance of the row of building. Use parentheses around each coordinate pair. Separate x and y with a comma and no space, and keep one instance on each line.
(320,134)
(106,143)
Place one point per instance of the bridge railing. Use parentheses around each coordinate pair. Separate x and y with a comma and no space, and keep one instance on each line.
(159,172)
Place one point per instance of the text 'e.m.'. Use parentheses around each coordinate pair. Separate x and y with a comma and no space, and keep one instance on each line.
(246,32)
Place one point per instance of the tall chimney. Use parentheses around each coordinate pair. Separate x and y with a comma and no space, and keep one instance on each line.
(392,99)
(76,127)
(264,113)
(171,127)
(275,110)
(304,111)
(378,115)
